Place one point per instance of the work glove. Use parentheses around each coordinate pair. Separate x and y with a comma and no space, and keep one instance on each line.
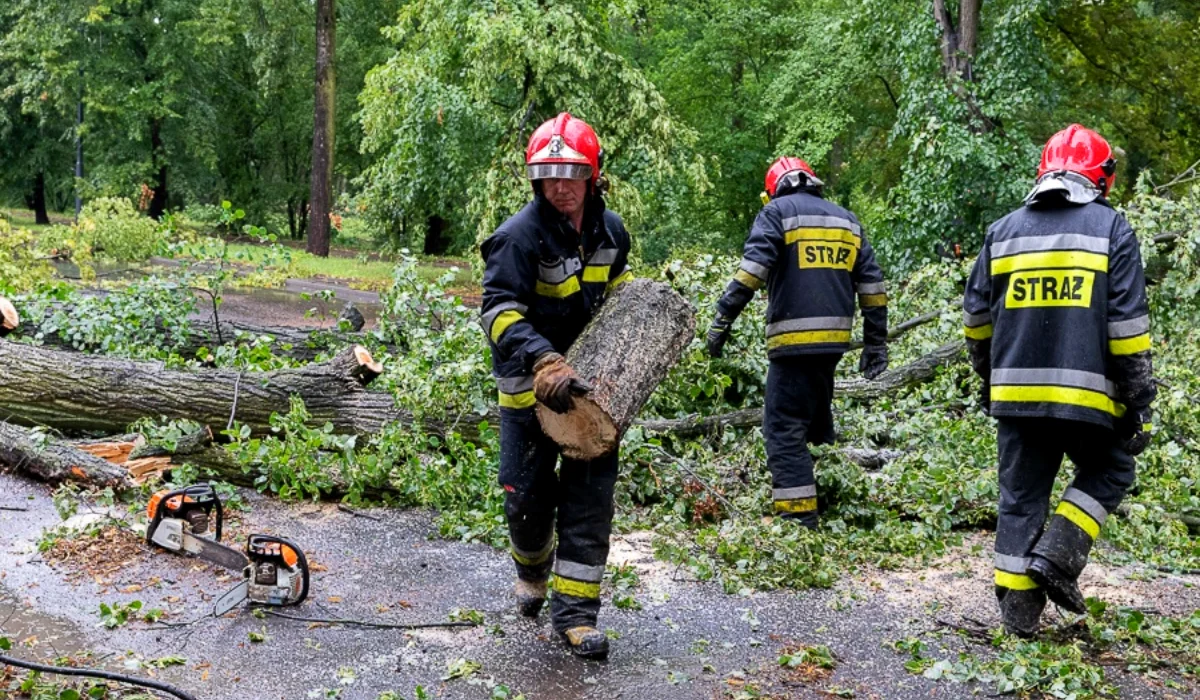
(718,334)
(1134,430)
(554,383)
(874,361)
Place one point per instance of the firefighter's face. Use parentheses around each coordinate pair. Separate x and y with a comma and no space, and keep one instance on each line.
(567,196)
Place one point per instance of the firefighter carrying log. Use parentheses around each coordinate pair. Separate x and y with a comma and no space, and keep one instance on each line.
(1058,326)
(547,271)
(813,258)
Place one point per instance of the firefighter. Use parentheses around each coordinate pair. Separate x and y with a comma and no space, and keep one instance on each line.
(547,271)
(1058,327)
(813,258)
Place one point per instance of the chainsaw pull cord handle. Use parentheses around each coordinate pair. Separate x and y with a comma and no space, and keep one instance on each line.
(256,545)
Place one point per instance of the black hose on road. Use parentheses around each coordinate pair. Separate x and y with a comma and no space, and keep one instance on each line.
(103,675)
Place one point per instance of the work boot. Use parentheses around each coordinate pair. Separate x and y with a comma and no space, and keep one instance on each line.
(1021,610)
(587,642)
(808,519)
(1063,590)
(531,596)
(1062,552)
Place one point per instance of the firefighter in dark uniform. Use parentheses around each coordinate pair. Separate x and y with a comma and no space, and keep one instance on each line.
(813,258)
(1058,327)
(547,271)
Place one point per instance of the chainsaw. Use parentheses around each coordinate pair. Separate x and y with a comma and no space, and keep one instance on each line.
(274,570)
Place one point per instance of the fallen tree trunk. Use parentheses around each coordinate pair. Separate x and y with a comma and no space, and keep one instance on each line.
(624,354)
(55,461)
(921,370)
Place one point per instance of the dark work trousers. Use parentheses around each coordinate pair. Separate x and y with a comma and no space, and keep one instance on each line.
(1031,453)
(580,493)
(799,411)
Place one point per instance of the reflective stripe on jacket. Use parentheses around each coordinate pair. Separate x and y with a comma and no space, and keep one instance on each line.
(813,259)
(542,283)
(1056,316)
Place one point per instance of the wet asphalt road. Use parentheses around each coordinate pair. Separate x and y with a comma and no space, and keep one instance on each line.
(689,641)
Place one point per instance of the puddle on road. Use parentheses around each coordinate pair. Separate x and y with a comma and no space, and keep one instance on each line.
(19,623)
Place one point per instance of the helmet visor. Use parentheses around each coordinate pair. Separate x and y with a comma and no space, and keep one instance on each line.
(1070,186)
(564,171)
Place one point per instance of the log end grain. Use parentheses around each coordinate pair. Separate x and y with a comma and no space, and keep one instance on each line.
(9,318)
(585,432)
(367,368)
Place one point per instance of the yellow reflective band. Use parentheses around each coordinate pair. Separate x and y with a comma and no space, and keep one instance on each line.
(571,587)
(796,505)
(1147,427)
(807,338)
(559,291)
(826,255)
(867,300)
(1050,259)
(836,235)
(523,400)
(528,561)
(748,279)
(502,322)
(1130,346)
(596,273)
(978,332)
(1057,394)
(1016,582)
(1075,514)
(621,279)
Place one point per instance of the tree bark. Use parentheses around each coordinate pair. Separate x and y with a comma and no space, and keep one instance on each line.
(158,203)
(38,201)
(52,460)
(323,131)
(624,353)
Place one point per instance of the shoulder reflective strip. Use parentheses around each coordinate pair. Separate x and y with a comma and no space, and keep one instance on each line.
(798,505)
(490,317)
(558,291)
(580,572)
(1057,241)
(523,400)
(978,332)
(816,323)
(1057,394)
(1050,260)
(808,338)
(604,256)
(1063,377)
(977,319)
(1014,582)
(1010,564)
(1130,346)
(556,274)
(809,491)
(820,221)
(596,273)
(872,300)
(621,279)
(503,321)
(1129,327)
(577,589)
(759,271)
(839,235)
(1086,503)
(1081,519)
(515,385)
(747,279)
(870,288)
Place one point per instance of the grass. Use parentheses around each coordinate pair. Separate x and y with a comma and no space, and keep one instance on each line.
(24,218)
(372,274)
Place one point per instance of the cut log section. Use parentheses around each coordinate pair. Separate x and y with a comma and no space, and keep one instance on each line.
(52,460)
(9,318)
(624,353)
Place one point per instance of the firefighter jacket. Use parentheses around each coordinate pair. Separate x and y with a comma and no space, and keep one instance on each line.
(542,283)
(813,258)
(1055,314)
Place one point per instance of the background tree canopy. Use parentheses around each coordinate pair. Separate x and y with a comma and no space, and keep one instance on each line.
(925,117)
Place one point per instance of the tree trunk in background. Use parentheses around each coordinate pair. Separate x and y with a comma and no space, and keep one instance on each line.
(323,132)
(37,200)
(958,42)
(158,203)
(435,236)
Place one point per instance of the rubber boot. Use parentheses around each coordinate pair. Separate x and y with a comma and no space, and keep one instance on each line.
(1059,558)
(587,642)
(808,519)
(531,596)
(1021,610)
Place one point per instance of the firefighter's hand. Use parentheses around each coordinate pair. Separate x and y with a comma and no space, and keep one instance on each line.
(874,361)
(1134,430)
(555,383)
(718,334)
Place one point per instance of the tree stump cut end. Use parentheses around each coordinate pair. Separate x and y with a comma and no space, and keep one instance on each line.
(585,432)
(9,318)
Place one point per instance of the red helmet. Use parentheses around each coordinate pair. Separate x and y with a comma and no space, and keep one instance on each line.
(1080,150)
(563,147)
(784,167)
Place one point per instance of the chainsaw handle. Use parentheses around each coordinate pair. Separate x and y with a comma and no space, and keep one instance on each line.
(256,546)
(201,495)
